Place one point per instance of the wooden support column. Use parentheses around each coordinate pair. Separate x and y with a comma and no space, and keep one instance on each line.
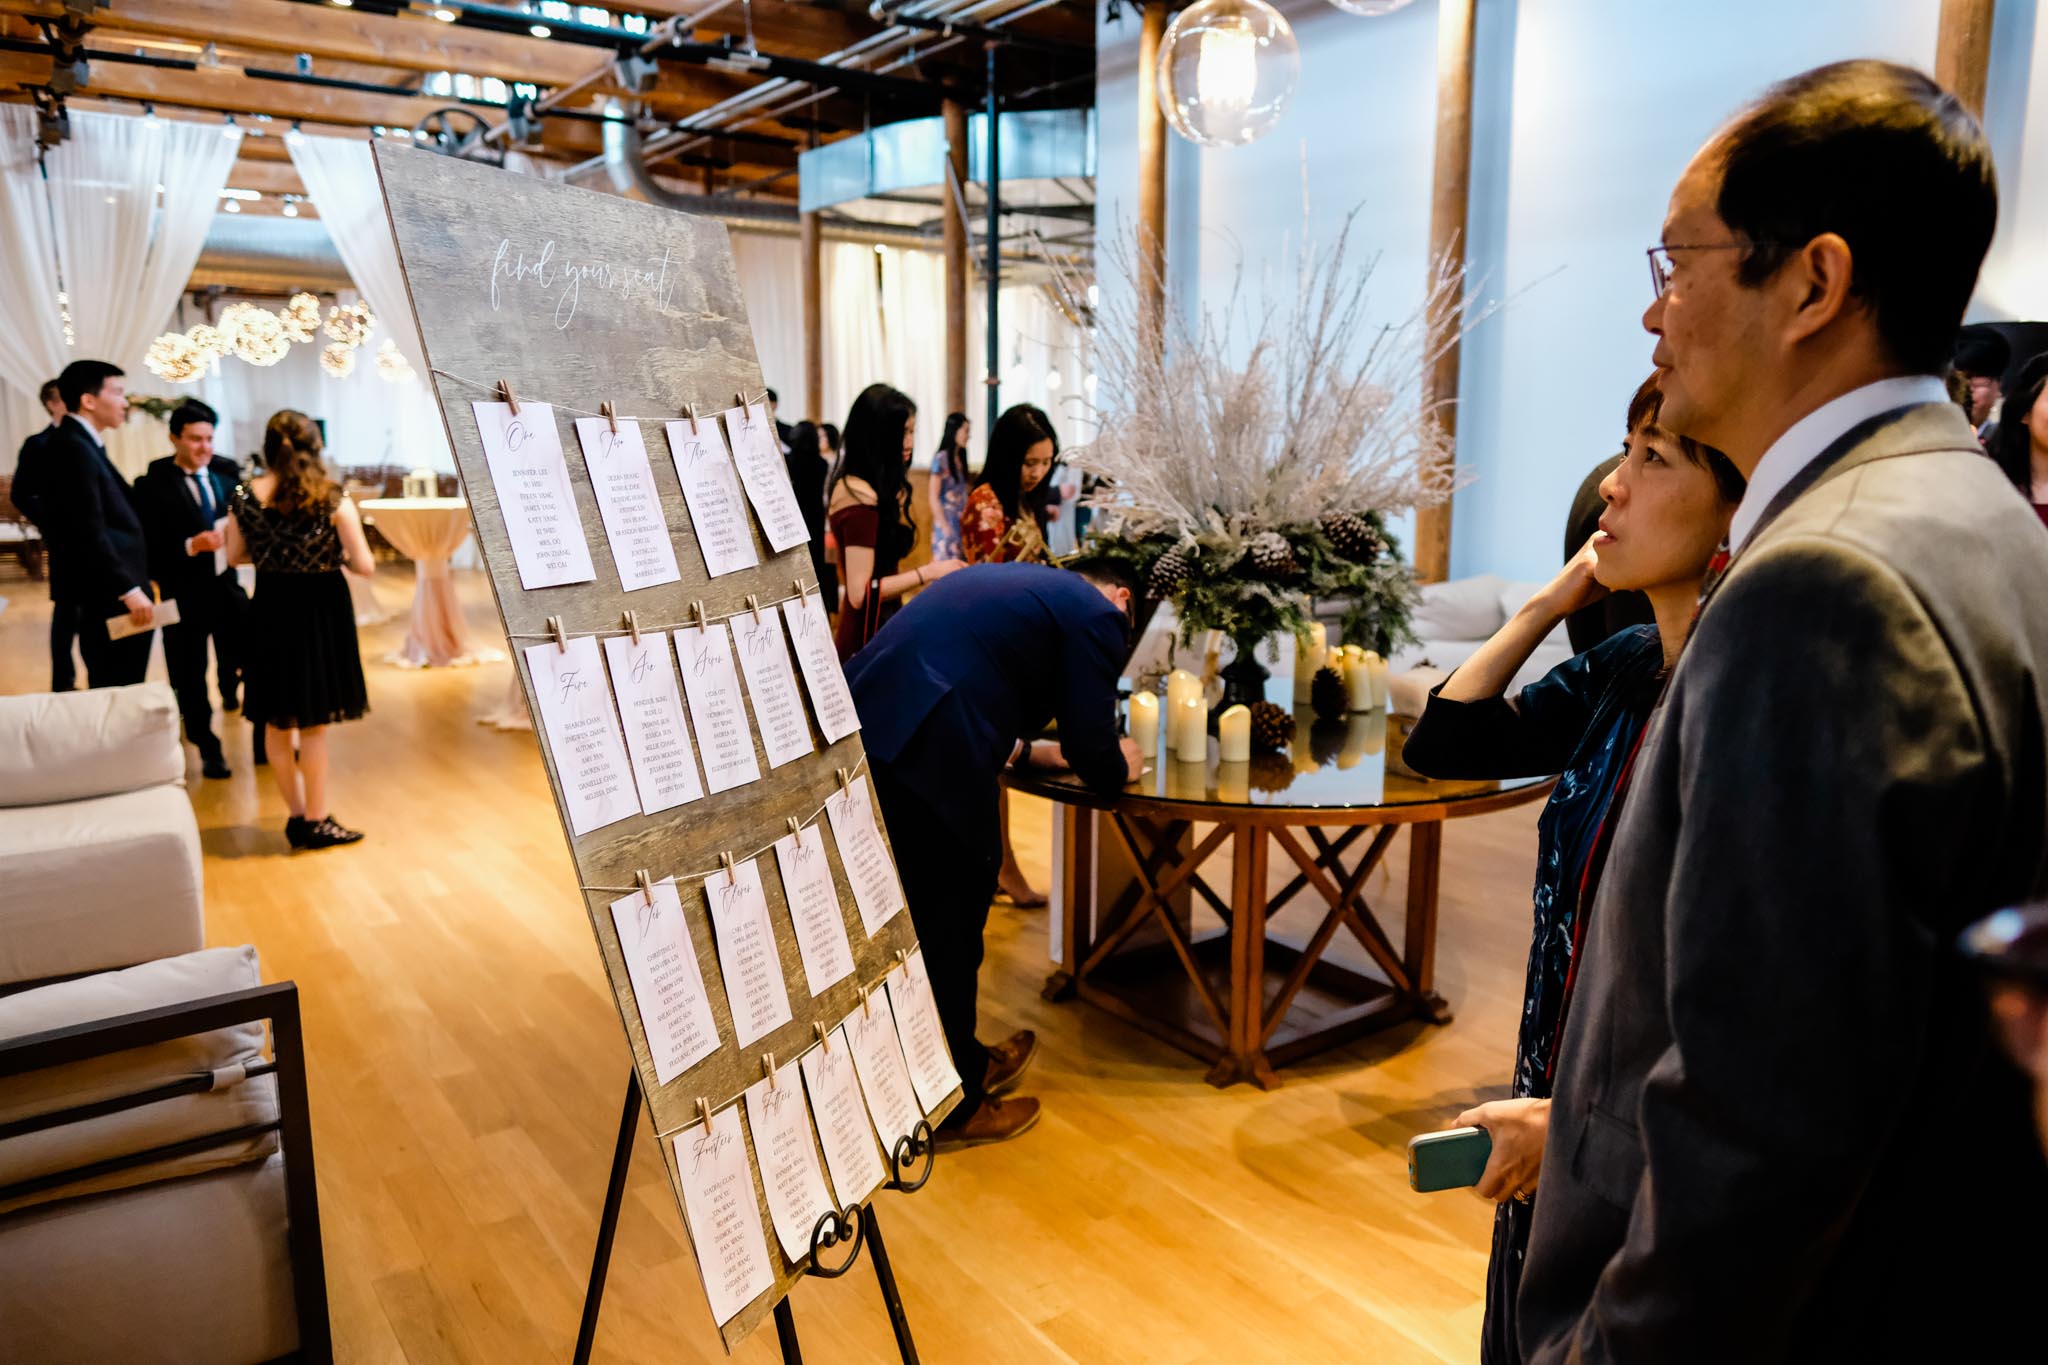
(1449,198)
(1151,180)
(814,317)
(1962,51)
(954,238)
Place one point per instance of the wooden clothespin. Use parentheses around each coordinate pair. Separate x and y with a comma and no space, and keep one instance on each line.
(903,957)
(561,636)
(632,623)
(645,881)
(824,1040)
(697,611)
(754,605)
(845,782)
(725,861)
(768,1070)
(796,830)
(704,1112)
(507,397)
(740,401)
(690,411)
(801,591)
(867,1007)
(610,415)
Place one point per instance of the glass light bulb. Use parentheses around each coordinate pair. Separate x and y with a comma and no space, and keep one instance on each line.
(1227,71)
(1227,67)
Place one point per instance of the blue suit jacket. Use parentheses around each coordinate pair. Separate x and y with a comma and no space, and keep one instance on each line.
(979,660)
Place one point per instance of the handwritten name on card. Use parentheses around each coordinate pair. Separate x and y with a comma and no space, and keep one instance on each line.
(644,679)
(878,1060)
(764,658)
(713,686)
(746,952)
(628,502)
(724,1217)
(531,477)
(851,1157)
(582,732)
(758,454)
(813,901)
(668,984)
(790,1174)
(932,1073)
(712,492)
(818,655)
(876,893)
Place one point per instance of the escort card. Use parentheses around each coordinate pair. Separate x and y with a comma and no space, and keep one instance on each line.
(644,680)
(746,951)
(764,658)
(851,1157)
(861,852)
(878,1059)
(790,1174)
(628,502)
(932,1073)
(531,477)
(724,1218)
(668,985)
(818,655)
(814,908)
(717,513)
(583,732)
(713,687)
(759,457)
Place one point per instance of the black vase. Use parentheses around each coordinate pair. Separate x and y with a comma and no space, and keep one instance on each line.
(1244,681)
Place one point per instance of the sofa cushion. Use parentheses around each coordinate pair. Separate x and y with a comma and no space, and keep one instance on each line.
(98,883)
(64,746)
(172,981)
(1463,609)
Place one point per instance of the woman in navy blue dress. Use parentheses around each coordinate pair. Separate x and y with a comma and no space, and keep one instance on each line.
(1668,507)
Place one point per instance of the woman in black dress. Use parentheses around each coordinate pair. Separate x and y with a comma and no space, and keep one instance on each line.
(1668,508)
(303,672)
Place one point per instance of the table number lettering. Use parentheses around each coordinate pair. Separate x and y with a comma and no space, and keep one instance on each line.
(628,502)
(764,658)
(790,1174)
(713,687)
(746,952)
(932,1073)
(668,984)
(878,1060)
(876,893)
(531,477)
(724,1217)
(583,732)
(712,492)
(818,655)
(657,739)
(758,454)
(813,901)
(844,1130)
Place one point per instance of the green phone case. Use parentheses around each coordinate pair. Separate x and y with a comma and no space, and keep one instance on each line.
(1450,1160)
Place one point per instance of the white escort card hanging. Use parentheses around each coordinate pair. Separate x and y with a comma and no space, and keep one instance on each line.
(844,1132)
(668,985)
(790,1174)
(746,950)
(724,1217)
(583,732)
(771,682)
(878,1059)
(876,892)
(531,477)
(818,655)
(627,500)
(718,514)
(716,707)
(932,1073)
(813,901)
(759,457)
(644,680)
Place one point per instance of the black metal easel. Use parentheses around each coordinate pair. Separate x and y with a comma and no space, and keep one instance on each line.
(855,1226)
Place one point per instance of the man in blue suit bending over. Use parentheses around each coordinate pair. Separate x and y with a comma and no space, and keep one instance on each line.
(950,692)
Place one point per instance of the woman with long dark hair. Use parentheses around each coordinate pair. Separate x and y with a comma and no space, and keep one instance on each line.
(302,672)
(1005,518)
(2020,442)
(869,514)
(948,490)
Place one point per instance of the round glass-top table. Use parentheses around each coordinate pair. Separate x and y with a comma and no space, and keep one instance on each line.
(1130,870)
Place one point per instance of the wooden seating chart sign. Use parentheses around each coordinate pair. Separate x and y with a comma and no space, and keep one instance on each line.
(597,377)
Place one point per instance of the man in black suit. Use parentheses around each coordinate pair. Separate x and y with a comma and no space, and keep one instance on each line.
(784,432)
(1781,1129)
(30,479)
(183,501)
(949,693)
(99,562)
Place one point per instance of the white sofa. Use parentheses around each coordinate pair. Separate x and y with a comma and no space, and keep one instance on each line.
(99,851)
(1452,621)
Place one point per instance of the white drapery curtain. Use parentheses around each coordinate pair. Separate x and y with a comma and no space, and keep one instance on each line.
(770,269)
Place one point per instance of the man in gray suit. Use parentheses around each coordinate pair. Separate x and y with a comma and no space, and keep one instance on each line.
(1781,1130)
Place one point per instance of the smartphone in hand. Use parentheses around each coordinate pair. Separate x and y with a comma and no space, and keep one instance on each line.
(1450,1160)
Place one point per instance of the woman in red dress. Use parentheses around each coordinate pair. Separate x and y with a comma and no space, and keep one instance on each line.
(870,515)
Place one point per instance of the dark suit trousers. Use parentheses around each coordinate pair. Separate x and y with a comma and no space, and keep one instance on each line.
(63,632)
(949,878)
(210,613)
(110,663)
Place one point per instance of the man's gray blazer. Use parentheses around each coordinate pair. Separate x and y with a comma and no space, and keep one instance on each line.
(1781,1129)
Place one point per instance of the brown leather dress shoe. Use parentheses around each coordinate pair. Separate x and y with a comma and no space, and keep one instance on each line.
(998,1120)
(1007,1060)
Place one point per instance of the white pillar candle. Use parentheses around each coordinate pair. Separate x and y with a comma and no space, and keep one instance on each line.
(1358,683)
(1309,655)
(1180,685)
(1234,735)
(1145,722)
(1234,783)
(1376,673)
(1190,731)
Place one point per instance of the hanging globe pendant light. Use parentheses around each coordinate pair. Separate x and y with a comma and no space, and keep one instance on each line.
(1227,70)
(1371,9)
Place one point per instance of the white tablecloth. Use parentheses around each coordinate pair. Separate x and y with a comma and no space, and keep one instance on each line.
(429,531)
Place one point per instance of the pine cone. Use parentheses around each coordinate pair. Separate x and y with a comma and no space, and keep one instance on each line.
(1271,556)
(1352,536)
(1327,694)
(1270,773)
(1170,572)
(1326,741)
(1272,726)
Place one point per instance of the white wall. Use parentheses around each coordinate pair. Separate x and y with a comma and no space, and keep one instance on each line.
(1585,113)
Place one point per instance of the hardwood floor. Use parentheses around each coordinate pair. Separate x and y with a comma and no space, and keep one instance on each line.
(467,1067)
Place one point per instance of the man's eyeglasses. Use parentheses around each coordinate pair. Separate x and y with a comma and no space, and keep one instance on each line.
(1661,264)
